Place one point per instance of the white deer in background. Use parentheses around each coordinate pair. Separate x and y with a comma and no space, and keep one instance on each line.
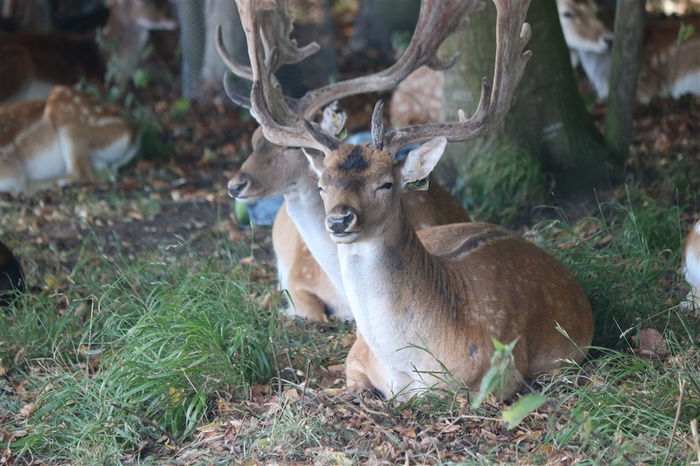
(670,61)
(691,265)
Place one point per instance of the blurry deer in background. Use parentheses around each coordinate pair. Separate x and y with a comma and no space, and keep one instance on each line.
(583,30)
(431,302)
(273,169)
(11,276)
(691,265)
(670,61)
(670,66)
(62,140)
(31,64)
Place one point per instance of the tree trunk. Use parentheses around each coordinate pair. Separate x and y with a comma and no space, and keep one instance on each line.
(191,19)
(377,24)
(629,35)
(549,121)
(201,61)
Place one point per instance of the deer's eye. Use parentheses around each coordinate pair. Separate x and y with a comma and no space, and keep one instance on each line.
(387,186)
(567,15)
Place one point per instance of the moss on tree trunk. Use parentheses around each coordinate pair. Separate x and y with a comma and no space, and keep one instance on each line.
(549,120)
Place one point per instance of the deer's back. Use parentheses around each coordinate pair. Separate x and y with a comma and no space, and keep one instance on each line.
(512,288)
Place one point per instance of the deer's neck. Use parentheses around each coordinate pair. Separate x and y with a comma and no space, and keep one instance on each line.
(392,281)
(124,42)
(306,210)
(597,68)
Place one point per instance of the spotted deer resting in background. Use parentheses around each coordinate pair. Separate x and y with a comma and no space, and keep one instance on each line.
(32,64)
(691,265)
(313,280)
(670,59)
(430,302)
(62,140)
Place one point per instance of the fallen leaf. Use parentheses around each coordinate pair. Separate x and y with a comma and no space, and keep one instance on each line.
(650,342)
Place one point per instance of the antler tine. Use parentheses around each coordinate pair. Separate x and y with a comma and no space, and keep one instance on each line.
(436,21)
(512,35)
(267,23)
(231,63)
(279,48)
(242,100)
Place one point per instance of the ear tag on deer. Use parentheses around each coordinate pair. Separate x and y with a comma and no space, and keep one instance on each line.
(420,185)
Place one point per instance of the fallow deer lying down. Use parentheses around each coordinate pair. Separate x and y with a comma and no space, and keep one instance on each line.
(314,283)
(32,64)
(11,276)
(272,170)
(62,140)
(691,265)
(669,64)
(430,302)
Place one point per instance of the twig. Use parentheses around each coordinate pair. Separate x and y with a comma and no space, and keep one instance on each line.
(681,386)
(306,382)
(277,368)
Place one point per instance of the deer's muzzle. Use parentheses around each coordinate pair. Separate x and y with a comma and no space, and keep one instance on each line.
(242,187)
(342,221)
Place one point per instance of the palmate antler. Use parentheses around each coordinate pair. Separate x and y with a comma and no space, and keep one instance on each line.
(512,35)
(281,118)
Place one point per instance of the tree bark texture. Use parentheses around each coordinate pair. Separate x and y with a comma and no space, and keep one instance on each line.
(627,47)
(549,120)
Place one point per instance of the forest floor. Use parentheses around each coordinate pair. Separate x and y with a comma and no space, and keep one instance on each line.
(156,208)
(178,201)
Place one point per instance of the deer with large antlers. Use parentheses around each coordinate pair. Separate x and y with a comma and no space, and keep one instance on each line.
(430,302)
(273,170)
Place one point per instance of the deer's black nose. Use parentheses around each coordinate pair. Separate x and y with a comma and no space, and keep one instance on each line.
(340,223)
(236,188)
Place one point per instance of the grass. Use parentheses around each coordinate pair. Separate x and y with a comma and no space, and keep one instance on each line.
(148,357)
(166,355)
(496,181)
(627,262)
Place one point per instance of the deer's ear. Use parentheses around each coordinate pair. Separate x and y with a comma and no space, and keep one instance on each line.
(421,160)
(315,160)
